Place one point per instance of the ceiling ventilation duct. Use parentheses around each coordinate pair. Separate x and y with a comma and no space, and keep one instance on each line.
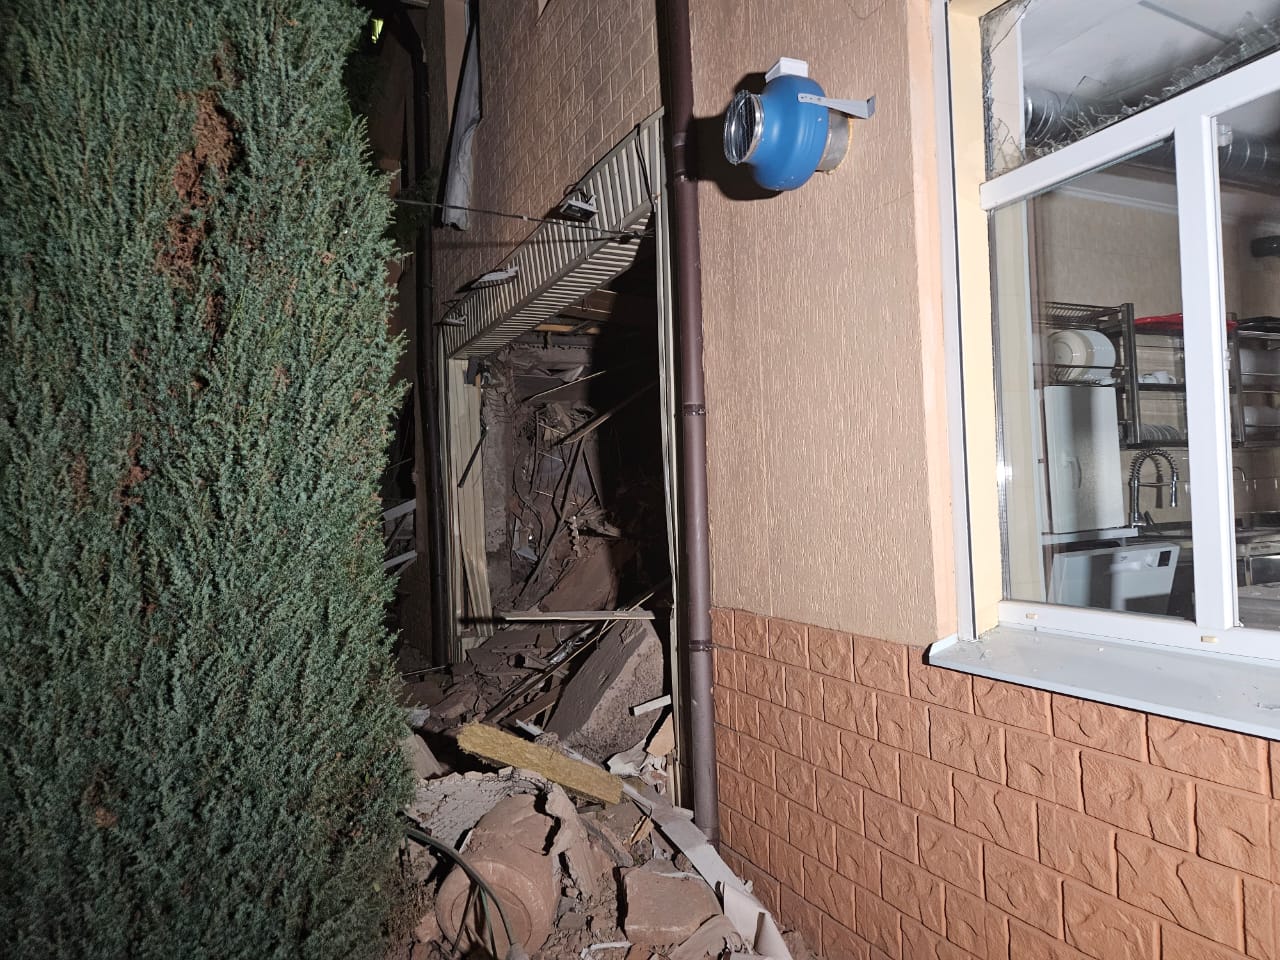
(1052,121)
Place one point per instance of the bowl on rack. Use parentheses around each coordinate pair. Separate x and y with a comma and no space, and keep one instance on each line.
(1081,356)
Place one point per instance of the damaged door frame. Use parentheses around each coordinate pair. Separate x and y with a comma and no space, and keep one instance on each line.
(557,265)
(463,433)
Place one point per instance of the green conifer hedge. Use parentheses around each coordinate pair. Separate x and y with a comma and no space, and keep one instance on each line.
(197,729)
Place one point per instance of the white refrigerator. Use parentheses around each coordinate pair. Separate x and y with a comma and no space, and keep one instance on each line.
(1082,444)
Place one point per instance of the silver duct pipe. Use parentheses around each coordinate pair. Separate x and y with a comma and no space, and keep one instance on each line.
(1050,117)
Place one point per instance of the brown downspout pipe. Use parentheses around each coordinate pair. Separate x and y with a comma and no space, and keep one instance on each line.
(695,593)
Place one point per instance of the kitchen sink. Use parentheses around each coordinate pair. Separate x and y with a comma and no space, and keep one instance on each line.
(1165,531)
(1182,531)
(1257,549)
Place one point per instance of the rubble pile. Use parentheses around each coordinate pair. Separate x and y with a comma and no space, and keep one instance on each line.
(568,875)
(579,848)
(542,825)
(572,476)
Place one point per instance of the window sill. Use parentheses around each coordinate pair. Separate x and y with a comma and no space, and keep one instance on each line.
(1232,693)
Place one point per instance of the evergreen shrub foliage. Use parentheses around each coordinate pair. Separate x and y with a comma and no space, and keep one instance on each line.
(199,735)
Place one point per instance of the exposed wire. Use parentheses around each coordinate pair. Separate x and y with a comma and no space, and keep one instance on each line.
(644,174)
(456,941)
(585,227)
(423,672)
(414,832)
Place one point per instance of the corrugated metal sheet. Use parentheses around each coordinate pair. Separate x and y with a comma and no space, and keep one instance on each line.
(561,263)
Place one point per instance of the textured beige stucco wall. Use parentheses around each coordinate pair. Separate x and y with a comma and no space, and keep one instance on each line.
(558,92)
(823,348)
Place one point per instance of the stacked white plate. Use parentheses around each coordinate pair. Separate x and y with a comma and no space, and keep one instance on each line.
(1082,356)
(1161,431)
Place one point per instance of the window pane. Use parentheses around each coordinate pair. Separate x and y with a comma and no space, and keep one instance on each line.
(1249,172)
(1057,70)
(1093,425)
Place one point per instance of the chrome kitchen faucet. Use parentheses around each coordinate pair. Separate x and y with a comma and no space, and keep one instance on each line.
(1137,517)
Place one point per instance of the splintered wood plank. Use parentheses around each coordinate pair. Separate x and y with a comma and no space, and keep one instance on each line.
(490,743)
(539,704)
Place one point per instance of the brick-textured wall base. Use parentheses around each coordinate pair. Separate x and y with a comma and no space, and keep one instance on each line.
(890,809)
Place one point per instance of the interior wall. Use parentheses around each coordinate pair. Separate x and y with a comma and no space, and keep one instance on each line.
(558,90)
(1098,251)
(829,496)
(1094,251)
(1257,278)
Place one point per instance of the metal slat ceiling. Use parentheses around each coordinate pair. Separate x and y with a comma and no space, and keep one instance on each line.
(561,263)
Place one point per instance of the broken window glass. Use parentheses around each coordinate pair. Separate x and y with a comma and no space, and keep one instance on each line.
(1055,71)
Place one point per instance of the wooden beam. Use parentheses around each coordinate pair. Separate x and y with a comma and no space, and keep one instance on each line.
(552,327)
(490,743)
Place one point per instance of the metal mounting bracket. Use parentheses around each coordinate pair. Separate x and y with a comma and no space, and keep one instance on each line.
(862,109)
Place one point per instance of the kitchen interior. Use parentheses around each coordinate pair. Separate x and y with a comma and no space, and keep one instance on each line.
(1109,375)
(1095,480)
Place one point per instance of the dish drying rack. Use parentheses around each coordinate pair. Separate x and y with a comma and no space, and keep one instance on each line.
(1117,324)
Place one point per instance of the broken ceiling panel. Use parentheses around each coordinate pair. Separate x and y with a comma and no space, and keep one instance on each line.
(1058,70)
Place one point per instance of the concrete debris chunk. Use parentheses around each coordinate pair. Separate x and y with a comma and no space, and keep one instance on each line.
(610,845)
(447,807)
(621,819)
(421,760)
(462,698)
(589,584)
(664,907)
(594,713)
(586,860)
(570,831)
(506,849)
(589,865)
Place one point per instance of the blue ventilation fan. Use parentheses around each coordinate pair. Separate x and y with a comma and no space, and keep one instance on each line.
(791,130)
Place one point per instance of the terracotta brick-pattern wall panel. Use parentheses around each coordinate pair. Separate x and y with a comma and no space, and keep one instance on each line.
(887,809)
(558,92)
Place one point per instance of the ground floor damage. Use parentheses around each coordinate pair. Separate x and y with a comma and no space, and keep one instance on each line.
(561,837)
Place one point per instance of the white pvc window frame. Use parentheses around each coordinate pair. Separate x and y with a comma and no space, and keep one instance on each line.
(1190,117)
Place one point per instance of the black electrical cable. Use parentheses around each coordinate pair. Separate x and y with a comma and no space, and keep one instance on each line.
(413,832)
(644,173)
(595,231)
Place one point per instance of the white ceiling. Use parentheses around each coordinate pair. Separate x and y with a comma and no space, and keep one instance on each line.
(1113,49)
